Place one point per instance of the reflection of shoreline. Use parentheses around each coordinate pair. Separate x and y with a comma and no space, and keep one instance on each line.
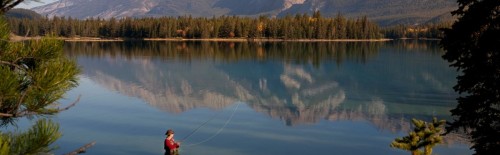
(228,51)
(98,39)
(89,39)
(294,86)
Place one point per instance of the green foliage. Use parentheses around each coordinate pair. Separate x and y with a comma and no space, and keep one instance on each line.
(35,74)
(300,27)
(34,141)
(4,144)
(472,47)
(425,135)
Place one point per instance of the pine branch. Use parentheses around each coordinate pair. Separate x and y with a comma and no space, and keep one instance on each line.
(9,64)
(7,7)
(37,139)
(22,58)
(20,102)
(71,105)
(82,149)
(6,115)
(30,113)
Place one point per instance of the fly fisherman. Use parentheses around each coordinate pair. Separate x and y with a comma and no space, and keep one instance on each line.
(170,144)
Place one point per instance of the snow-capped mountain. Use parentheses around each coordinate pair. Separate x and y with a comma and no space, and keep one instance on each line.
(383,11)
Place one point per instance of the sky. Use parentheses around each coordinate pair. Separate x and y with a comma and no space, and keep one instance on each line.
(29,4)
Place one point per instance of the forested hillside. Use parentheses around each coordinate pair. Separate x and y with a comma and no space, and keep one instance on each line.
(300,26)
(384,12)
(289,27)
(22,13)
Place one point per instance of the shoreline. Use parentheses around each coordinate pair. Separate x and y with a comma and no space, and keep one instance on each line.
(97,39)
(223,40)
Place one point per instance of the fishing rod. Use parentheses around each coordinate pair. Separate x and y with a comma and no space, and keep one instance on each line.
(217,133)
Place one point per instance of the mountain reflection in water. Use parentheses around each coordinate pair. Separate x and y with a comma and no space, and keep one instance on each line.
(296,82)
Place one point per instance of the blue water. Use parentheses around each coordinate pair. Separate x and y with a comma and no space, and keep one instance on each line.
(264,98)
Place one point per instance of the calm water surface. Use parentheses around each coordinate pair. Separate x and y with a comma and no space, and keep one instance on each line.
(273,98)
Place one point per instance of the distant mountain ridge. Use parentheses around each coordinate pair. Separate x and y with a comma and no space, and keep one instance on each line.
(385,12)
(22,13)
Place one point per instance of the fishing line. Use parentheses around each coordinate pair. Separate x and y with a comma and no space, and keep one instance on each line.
(220,130)
(203,124)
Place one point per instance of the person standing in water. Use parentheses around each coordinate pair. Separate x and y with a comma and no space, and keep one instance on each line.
(170,145)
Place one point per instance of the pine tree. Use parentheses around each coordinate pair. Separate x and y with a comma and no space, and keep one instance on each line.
(34,141)
(425,135)
(35,75)
(472,47)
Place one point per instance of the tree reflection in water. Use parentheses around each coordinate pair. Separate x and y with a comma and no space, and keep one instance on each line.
(296,82)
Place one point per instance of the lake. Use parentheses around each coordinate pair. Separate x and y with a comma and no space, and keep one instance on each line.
(245,98)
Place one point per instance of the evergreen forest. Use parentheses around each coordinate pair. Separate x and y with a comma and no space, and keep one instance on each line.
(300,26)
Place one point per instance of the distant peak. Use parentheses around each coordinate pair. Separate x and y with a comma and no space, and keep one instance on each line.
(289,3)
(385,12)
